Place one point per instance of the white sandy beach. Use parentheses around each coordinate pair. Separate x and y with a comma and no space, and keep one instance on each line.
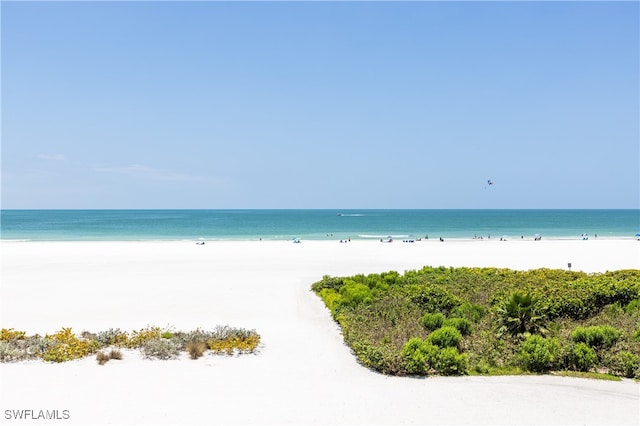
(303,374)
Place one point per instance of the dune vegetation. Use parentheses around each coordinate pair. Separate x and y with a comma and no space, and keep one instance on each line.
(485,321)
(152,342)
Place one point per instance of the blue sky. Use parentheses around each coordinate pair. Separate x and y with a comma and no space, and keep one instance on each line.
(320,105)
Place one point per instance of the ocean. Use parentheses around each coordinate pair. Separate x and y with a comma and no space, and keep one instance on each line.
(136,225)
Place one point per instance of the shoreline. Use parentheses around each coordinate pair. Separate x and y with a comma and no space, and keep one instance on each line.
(396,238)
(304,373)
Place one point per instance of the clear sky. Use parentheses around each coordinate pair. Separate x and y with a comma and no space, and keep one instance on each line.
(320,105)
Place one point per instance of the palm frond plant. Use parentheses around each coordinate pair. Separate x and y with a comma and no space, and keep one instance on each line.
(520,314)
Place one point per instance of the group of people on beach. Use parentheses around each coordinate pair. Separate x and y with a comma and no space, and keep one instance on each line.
(475,237)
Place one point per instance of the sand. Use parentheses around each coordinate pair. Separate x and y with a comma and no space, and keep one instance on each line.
(303,373)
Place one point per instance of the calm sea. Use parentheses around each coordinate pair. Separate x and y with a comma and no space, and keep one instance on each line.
(121,225)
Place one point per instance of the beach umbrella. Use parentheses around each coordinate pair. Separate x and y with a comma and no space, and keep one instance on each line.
(638,236)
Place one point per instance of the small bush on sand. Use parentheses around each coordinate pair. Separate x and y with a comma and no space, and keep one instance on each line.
(463,325)
(140,337)
(538,354)
(583,357)
(9,352)
(102,358)
(88,335)
(445,337)
(626,364)
(229,340)
(450,363)
(596,336)
(418,355)
(469,311)
(197,335)
(160,348)
(196,349)
(432,321)
(112,337)
(66,346)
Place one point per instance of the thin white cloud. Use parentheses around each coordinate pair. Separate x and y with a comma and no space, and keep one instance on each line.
(151,173)
(52,157)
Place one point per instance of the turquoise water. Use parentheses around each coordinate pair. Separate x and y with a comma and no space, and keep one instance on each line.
(118,225)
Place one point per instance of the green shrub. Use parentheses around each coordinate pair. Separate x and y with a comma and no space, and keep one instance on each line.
(445,337)
(450,363)
(461,324)
(636,335)
(586,295)
(328,282)
(633,307)
(613,310)
(626,364)
(383,358)
(583,357)
(538,354)
(418,354)
(432,321)
(355,293)
(433,298)
(331,299)
(598,336)
(469,311)
(481,367)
